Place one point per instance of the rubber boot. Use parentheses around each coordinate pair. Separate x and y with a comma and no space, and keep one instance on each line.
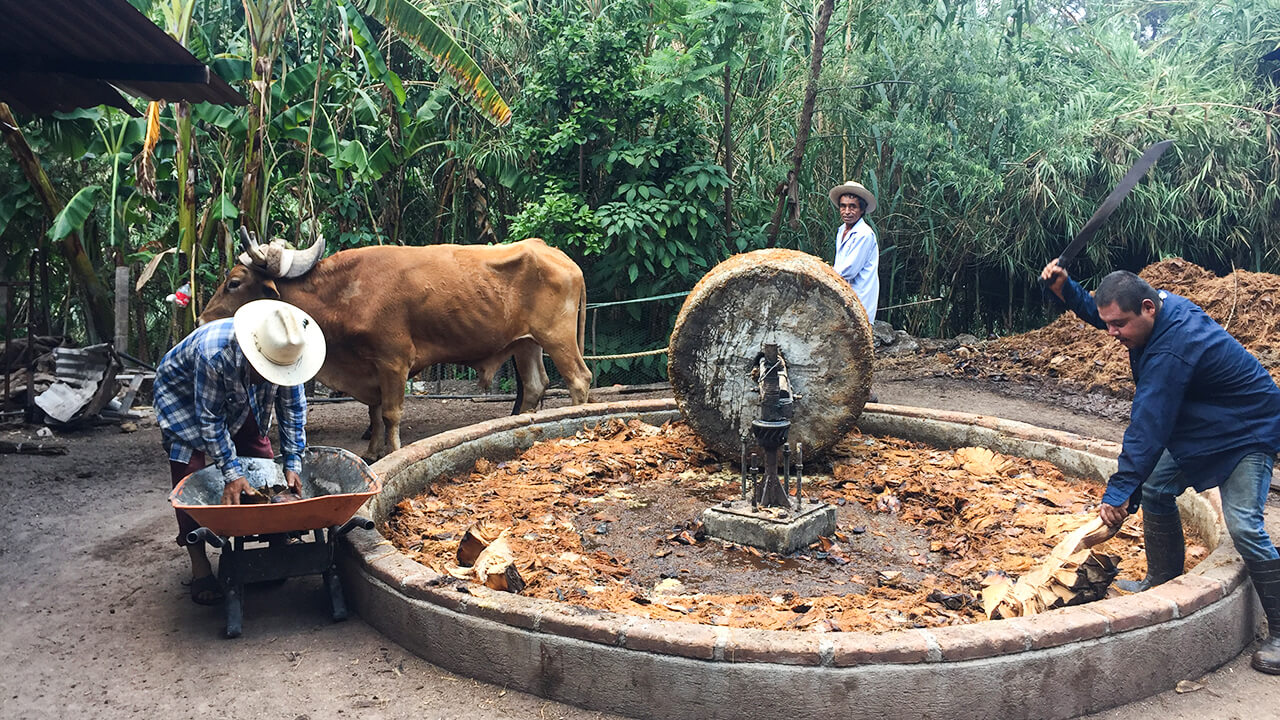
(1166,551)
(1266,582)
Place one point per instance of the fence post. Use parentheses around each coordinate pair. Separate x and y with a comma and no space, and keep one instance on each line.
(122,308)
(594,363)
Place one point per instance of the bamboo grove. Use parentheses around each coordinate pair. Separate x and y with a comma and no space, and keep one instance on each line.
(652,139)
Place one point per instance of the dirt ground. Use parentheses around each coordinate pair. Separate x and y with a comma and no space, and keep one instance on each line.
(97,623)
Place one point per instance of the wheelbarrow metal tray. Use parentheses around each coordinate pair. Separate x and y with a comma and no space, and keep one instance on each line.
(335,483)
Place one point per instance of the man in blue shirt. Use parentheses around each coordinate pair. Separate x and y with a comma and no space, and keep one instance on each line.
(214,393)
(1205,414)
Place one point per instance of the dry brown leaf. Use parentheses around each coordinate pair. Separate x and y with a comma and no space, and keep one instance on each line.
(980,461)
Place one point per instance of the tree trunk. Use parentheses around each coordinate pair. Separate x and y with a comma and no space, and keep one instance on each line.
(391,209)
(446,197)
(250,188)
(787,187)
(727,143)
(97,302)
(121,339)
(185,173)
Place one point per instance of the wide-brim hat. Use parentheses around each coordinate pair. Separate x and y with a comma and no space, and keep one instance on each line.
(284,344)
(849,187)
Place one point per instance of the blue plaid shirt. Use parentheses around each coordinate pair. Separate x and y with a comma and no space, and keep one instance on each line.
(203,397)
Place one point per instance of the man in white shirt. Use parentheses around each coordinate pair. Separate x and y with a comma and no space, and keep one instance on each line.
(857,253)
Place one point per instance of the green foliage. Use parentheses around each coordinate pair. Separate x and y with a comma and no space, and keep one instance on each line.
(565,219)
(75,212)
(417,28)
(618,155)
(988,131)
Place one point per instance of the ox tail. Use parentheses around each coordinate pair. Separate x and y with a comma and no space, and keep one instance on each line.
(582,319)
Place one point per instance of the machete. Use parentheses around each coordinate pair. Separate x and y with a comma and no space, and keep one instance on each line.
(1113,200)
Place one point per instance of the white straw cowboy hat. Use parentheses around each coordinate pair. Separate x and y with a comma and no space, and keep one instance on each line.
(849,187)
(284,344)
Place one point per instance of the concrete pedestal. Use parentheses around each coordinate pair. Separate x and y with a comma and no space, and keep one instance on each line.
(770,529)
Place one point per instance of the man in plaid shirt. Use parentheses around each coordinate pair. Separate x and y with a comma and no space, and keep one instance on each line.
(214,393)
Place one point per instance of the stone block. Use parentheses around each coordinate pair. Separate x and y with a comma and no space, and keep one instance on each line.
(737,523)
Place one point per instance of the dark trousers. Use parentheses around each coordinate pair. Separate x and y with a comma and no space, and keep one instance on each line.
(249,442)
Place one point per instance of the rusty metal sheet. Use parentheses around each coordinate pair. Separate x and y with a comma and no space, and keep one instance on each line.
(779,296)
(64,54)
(85,382)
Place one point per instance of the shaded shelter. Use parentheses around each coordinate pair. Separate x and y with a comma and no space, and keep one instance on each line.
(59,55)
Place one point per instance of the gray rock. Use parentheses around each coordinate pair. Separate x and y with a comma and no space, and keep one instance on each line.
(882,333)
(933,345)
(904,345)
(967,339)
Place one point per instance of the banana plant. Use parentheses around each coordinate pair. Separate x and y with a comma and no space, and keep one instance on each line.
(413,25)
(177,16)
(97,305)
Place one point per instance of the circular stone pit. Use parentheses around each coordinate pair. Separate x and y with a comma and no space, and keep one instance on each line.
(1056,665)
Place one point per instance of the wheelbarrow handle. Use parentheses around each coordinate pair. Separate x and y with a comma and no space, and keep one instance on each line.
(206,535)
(356,522)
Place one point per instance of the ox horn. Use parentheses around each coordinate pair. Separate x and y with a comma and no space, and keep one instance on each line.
(253,253)
(304,260)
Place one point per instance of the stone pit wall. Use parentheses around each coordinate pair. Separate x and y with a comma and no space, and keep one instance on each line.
(1059,664)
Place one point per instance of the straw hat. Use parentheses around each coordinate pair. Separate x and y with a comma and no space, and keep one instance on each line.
(849,187)
(283,343)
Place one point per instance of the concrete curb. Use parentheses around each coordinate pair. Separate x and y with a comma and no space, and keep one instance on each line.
(1071,661)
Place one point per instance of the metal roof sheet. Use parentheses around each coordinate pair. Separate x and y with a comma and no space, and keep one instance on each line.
(63,54)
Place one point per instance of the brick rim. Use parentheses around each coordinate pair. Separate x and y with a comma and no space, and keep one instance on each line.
(1213,580)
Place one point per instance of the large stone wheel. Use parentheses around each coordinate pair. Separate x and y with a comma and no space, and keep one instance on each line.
(778,296)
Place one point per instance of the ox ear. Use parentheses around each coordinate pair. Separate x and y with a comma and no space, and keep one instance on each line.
(304,260)
(270,291)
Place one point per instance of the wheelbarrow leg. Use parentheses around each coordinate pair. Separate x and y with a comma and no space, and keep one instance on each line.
(332,582)
(232,588)
(235,610)
(337,601)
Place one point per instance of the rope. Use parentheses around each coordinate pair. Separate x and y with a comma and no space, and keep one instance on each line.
(625,356)
(917,302)
(593,306)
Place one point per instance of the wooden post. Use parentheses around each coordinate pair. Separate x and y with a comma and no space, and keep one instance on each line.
(122,309)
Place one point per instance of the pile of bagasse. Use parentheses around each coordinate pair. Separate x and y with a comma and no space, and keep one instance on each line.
(1078,356)
(607,519)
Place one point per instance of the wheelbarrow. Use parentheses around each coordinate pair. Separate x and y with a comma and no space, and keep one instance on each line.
(269,542)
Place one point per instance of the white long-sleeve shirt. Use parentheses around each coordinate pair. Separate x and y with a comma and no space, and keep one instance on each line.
(858,262)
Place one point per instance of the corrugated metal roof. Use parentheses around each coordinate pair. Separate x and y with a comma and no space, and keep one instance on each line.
(65,54)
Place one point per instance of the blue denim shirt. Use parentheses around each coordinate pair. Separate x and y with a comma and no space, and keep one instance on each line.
(1198,392)
(203,397)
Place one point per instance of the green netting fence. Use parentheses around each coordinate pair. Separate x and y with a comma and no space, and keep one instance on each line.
(626,344)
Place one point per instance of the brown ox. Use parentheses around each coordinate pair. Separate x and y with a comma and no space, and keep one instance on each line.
(388,312)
